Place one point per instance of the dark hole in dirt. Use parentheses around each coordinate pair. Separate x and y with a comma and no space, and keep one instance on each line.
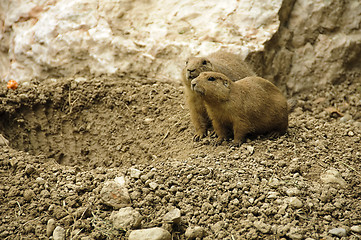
(108,122)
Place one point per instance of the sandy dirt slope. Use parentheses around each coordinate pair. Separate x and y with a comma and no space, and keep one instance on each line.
(67,138)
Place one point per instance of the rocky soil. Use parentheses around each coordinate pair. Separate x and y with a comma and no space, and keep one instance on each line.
(97,158)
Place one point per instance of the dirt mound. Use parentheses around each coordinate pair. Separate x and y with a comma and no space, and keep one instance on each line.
(67,138)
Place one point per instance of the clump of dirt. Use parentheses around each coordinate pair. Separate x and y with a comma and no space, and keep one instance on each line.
(66,138)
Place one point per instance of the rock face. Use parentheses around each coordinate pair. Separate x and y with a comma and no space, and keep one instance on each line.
(296,44)
(318,42)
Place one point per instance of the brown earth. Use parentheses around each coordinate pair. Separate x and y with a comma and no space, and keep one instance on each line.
(67,137)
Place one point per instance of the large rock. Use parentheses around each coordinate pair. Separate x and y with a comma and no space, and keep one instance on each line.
(296,44)
(115,193)
(318,42)
(67,37)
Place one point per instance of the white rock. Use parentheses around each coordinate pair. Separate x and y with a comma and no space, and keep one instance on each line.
(333,176)
(135,173)
(250,149)
(71,35)
(274,182)
(173,216)
(153,185)
(126,218)
(115,194)
(193,232)
(59,233)
(356,228)
(295,202)
(262,227)
(339,232)
(50,226)
(150,234)
(272,195)
(293,192)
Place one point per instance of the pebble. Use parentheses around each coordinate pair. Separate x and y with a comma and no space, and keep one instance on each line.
(59,233)
(194,232)
(333,176)
(356,228)
(217,227)
(295,202)
(134,173)
(339,232)
(150,234)
(291,192)
(273,195)
(153,185)
(346,118)
(295,234)
(115,194)
(350,133)
(173,216)
(50,226)
(262,227)
(126,218)
(250,150)
(28,195)
(274,182)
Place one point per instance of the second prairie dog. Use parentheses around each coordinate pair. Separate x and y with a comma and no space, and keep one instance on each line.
(252,105)
(227,63)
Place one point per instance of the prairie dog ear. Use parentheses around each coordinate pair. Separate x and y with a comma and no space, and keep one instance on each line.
(226,83)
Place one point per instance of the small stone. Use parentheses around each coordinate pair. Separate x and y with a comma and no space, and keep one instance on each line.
(50,226)
(250,150)
(295,234)
(339,232)
(150,234)
(294,202)
(346,118)
(333,176)
(173,216)
(194,232)
(59,233)
(292,192)
(40,180)
(115,194)
(272,195)
(134,173)
(274,182)
(153,185)
(126,218)
(217,226)
(350,133)
(148,120)
(356,228)
(262,227)
(28,195)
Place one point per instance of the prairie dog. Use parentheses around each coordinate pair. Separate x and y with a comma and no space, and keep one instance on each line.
(251,105)
(227,63)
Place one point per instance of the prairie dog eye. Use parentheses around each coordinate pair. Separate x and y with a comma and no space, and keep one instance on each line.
(186,62)
(204,62)
(211,79)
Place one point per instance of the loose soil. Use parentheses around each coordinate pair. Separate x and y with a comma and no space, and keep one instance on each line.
(67,137)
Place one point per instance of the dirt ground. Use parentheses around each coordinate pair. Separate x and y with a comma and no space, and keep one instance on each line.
(66,138)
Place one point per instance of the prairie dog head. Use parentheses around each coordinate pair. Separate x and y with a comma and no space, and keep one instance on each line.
(196,65)
(213,86)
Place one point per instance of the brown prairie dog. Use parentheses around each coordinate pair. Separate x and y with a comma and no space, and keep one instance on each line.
(251,105)
(227,63)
